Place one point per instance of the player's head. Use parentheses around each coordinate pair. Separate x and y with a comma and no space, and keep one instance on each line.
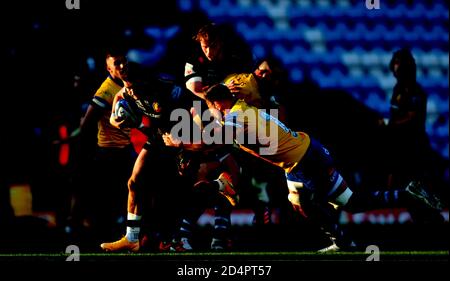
(136,74)
(138,81)
(270,75)
(117,63)
(403,65)
(263,70)
(269,70)
(210,41)
(220,96)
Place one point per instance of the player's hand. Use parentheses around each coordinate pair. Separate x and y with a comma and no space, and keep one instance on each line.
(206,187)
(233,86)
(298,209)
(73,136)
(169,140)
(203,185)
(294,198)
(58,141)
(116,121)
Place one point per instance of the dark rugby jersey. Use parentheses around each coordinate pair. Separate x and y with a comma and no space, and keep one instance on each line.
(156,102)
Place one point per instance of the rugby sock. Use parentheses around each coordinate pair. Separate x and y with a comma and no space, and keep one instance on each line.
(192,214)
(186,228)
(219,185)
(365,201)
(261,207)
(133,227)
(222,223)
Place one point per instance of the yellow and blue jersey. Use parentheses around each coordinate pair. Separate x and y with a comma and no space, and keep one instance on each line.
(248,88)
(264,136)
(108,135)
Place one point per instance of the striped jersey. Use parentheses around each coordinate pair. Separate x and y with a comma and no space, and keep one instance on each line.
(108,135)
(264,136)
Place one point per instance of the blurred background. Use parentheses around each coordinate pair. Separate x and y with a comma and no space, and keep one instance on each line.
(335,54)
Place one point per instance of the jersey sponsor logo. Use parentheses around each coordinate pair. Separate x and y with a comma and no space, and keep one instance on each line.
(156,107)
(144,106)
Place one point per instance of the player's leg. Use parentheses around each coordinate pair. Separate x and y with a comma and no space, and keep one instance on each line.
(217,177)
(111,213)
(221,240)
(257,178)
(197,199)
(220,174)
(134,207)
(336,190)
(311,184)
(317,173)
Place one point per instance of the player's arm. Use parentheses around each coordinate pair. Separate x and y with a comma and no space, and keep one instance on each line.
(171,141)
(407,114)
(90,119)
(196,87)
(88,123)
(404,118)
(194,82)
(227,134)
(410,109)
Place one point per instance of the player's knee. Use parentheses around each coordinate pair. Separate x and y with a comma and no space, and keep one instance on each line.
(132,184)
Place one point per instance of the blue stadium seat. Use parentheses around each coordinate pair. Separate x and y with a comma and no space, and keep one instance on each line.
(417,11)
(439,11)
(376,101)
(296,74)
(377,33)
(185,5)
(259,50)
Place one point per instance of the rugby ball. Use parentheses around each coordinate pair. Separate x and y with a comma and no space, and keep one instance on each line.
(124,110)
